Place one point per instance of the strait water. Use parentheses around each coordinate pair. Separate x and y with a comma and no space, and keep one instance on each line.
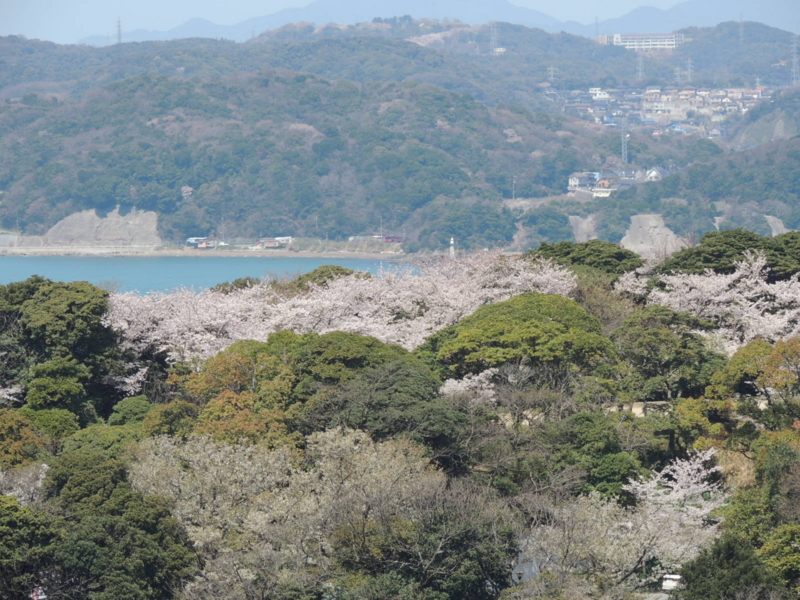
(163,273)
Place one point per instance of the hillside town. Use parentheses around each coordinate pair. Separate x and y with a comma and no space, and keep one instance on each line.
(674,110)
(601,184)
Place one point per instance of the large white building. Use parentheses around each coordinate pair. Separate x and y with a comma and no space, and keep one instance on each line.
(643,42)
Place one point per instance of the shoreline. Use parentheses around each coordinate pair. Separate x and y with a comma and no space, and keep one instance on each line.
(127,251)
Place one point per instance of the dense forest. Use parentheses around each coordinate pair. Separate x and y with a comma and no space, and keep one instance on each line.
(744,187)
(338,131)
(284,153)
(573,423)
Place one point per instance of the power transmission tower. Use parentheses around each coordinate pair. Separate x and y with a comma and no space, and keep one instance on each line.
(119,30)
(741,30)
(551,73)
(596,30)
(689,70)
(624,142)
(495,44)
(795,63)
(678,75)
(640,68)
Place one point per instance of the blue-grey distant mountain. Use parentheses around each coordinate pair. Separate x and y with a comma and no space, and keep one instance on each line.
(783,14)
(474,12)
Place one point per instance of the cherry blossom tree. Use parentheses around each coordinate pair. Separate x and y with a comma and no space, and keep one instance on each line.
(632,546)
(743,304)
(24,483)
(259,517)
(402,306)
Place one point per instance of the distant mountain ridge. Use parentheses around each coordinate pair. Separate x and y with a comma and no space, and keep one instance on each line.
(645,19)
(697,13)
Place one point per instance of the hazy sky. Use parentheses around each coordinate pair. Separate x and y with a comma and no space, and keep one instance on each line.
(67,21)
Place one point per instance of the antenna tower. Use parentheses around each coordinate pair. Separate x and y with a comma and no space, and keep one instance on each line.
(689,70)
(640,68)
(795,63)
(119,30)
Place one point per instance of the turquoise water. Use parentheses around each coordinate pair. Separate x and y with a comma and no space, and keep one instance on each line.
(162,273)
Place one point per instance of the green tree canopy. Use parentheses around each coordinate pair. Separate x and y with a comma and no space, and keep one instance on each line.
(399,398)
(665,358)
(719,250)
(729,567)
(130,411)
(64,354)
(530,328)
(28,542)
(118,543)
(595,254)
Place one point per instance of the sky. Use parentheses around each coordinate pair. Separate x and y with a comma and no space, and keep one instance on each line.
(67,21)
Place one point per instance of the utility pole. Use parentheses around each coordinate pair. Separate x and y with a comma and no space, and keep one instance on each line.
(795,63)
(640,68)
(119,30)
(689,70)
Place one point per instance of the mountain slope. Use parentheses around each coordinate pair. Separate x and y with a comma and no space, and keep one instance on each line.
(696,13)
(645,19)
(278,152)
(473,12)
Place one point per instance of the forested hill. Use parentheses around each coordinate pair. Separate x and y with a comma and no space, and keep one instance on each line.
(303,133)
(279,153)
(736,190)
(448,54)
(33,66)
(737,53)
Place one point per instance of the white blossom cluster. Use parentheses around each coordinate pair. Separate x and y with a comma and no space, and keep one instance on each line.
(481,387)
(402,306)
(9,395)
(670,523)
(743,304)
